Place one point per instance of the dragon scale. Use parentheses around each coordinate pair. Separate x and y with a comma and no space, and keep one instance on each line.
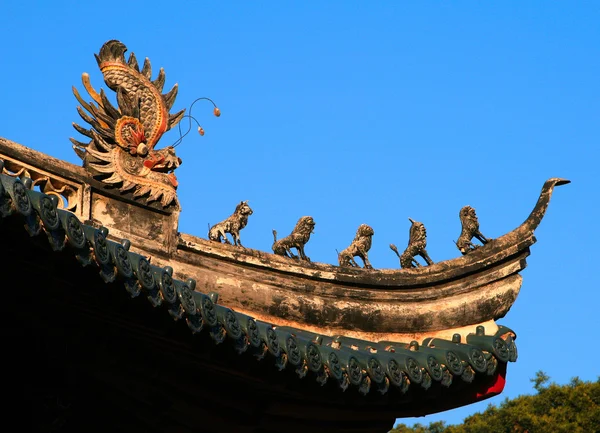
(153,112)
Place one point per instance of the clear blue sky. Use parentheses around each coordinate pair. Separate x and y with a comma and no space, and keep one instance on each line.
(361,112)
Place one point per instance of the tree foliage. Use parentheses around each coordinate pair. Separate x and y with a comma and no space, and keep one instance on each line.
(570,408)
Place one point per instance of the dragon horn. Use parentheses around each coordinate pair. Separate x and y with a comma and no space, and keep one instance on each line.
(133,62)
(411,220)
(147,68)
(85,79)
(159,83)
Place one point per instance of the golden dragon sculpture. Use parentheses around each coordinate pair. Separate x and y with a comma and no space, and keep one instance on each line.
(121,151)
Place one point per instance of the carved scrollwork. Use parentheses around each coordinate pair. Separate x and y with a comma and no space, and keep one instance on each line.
(396,375)
(334,367)
(187,299)
(101,252)
(477,360)
(501,349)
(292,350)
(167,288)
(21,198)
(454,364)
(434,368)
(122,262)
(14,169)
(46,209)
(354,370)
(18,199)
(272,341)
(314,360)
(413,370)
(149,277)
(253,334)
(232,325)
(73,229)
(66,194)
(207,308)
(48,213)
(376,371)
(144,274)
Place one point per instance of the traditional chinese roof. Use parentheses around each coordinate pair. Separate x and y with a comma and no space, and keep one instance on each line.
(100,277)
(121,323)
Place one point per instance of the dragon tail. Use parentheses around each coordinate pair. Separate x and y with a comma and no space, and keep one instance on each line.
(112,51)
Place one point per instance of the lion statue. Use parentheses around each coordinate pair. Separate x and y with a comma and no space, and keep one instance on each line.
(470,229)
(297,239)
(232,225)
(359,247)
(416,246)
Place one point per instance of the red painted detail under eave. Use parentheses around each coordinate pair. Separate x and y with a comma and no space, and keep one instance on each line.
(482,388)
(496,387)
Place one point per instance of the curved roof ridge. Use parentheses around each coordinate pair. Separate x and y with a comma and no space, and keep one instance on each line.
(362,364)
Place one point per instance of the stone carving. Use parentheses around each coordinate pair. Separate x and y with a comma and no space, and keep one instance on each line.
(359,247)
(416,246)
(470,229)
(232,225)
(121,151)
(67,194)
(297,239)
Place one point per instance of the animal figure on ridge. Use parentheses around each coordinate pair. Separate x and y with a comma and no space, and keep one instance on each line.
(470,229)
(359,247)
(232,225)
(297,239)
(416,246)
